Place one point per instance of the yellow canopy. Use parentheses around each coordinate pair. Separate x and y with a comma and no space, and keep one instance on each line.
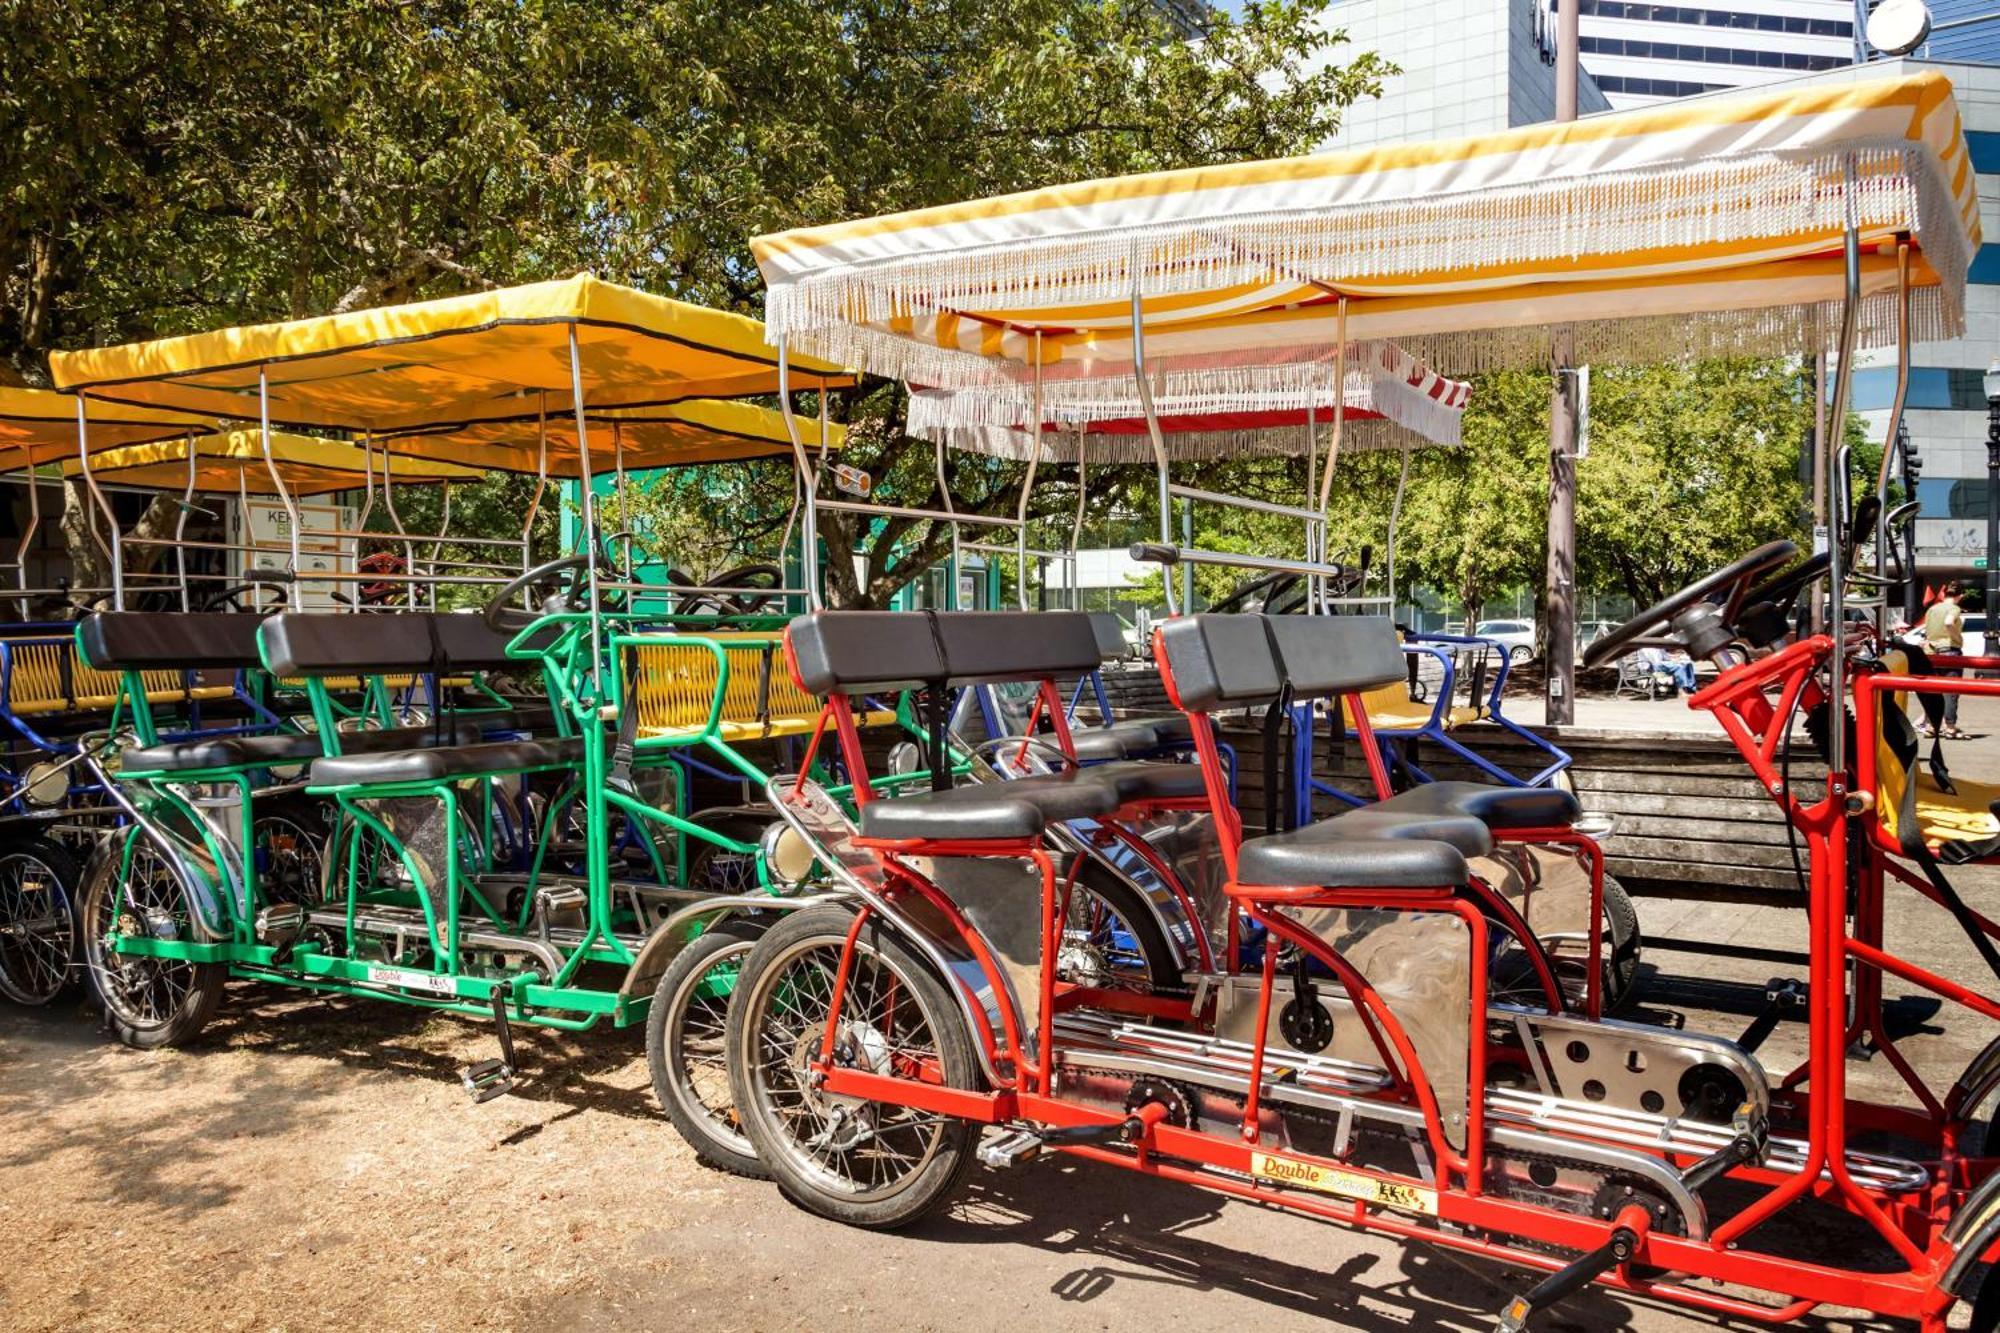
(1699,227)
(703,430)
(37,426)
(232,463)
(489,357)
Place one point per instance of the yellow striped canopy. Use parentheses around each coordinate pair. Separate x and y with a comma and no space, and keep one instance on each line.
(498,356)
(38,426)
(1693,228)
(232,463)
(703,430)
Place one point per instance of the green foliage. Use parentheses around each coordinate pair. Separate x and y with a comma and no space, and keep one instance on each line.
(1690,466)
(172,165)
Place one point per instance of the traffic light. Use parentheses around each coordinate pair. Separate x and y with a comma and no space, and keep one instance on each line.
(1913,459)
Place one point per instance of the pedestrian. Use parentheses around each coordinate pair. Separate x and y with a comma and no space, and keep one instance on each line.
(1944,633)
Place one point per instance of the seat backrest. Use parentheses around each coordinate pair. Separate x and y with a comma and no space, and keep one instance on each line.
(1219,661)
(1327,655)
(991,647)
(152,640)
(305,643)
(1110,633)
(856,652)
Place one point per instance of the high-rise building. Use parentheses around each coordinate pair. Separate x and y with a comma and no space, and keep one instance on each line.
(1469,67)
(1641,52)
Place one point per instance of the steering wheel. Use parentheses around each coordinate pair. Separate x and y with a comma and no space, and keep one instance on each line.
(1782,590)
(1652,627)
(232,596)
(1272,586)
(496,612)
(760,581)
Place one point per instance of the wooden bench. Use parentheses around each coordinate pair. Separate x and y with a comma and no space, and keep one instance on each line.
(1692,822)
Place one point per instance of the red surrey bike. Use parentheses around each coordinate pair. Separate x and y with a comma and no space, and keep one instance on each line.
(1341,1048)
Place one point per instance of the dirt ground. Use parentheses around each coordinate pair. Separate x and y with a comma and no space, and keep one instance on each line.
(312,1163)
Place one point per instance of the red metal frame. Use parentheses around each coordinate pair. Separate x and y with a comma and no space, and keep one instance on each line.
(1741,700)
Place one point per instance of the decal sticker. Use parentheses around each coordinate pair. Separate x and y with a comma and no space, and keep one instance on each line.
(1347,1184)
(396,976)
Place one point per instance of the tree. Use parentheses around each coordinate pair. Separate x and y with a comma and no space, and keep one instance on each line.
(1476,517)
(171,165)
(1690,466)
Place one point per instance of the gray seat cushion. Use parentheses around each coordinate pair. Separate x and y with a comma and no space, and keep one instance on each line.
(1017,808)
(453,761)
(1285,860)
(1468,835)
(965,814)
(1496,807)
(204,752)
(1137,780)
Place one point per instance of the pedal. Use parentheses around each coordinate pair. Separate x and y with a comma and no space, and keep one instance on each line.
(1025,1145)
(487,1079)
(1014,1149)
(1751,1142)
(1566,1282)
(494,1078)
(1784,995)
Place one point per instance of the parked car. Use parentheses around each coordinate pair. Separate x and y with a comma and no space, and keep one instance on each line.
(1517,636)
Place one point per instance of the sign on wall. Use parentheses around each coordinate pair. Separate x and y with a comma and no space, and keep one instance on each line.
(263,523)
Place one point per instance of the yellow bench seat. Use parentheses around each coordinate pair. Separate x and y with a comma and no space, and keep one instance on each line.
(674,685)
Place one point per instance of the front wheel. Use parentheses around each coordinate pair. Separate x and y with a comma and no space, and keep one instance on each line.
(147,1001)
(38,955)
(686,1034)
(873,1164)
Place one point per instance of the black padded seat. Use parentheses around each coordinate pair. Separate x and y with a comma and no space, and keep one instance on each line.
(283,748)
(518,716)
(1130,736)
(1120,740)
(1495,807)
(1467,835)
(1299,860)
(985,813)
(1136,780)
(981,812)
(451,761)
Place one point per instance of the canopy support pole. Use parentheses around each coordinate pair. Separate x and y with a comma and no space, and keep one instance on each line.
(1892,441)
(589,515)
(367,481)
(1332,450)
(1832,452)
(114,551)
(1395,519)
(944,491)
(181,522)
(1316,589)
(808,479)
(541,483)
(1157,440)
(28,537)
(1028,484)
(1076,528)
(271,464)
(624,501)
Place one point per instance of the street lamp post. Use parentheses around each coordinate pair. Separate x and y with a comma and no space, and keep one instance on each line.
(1990,601)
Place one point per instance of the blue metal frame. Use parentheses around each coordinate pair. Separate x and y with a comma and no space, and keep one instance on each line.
(1436,728)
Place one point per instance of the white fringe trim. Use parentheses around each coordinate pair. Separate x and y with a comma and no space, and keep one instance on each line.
(1898,186)
(1381,377)
(1100,449)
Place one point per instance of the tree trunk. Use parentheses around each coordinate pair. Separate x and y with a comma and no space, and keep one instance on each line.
(83,525)
(89,566)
